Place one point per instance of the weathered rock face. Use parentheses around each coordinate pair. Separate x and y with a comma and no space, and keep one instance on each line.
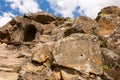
(28,28)
(109,32)
(110,58)
(41,46)
(109,23)
(86,25)
(108,20)
(42,17)
(79,52)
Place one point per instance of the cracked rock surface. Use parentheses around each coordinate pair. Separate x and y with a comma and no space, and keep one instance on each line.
(42,46)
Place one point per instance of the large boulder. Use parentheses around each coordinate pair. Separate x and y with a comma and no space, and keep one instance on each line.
(85,25)
(19,30)
(108,20)
(33,71)
(28,28)
(109,30)
(80,52)
(8,75)
(42,17)
(13,62)
(109,33)
(110,59)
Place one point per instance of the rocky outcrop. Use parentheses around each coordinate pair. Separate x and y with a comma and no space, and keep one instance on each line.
(79,52)
(109,33)
(41,46)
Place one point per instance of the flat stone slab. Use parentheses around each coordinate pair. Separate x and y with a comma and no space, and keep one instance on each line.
(80,52)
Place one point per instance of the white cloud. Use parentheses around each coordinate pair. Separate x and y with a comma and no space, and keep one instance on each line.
(90,7)
(6,17)
(24,6)
(64,7)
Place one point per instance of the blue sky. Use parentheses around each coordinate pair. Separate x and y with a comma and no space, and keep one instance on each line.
(61,8)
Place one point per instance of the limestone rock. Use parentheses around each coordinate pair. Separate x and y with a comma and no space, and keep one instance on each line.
(108,19)
(42,74)
(40,55)
(42,52)
(110,58)
(79,52)
(114,74)
(108,10)
(47,38)
(48,28)
(8,75)
(109,23)
(29,67)
(10,63)
(42,17)
(57,74)
(113,43)
(42,46)
(21,26)
(86,25)
(67,76)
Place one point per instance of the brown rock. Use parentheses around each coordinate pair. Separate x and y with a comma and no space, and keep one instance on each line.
(108,20)
(111,59)
(109,24)
(114,74)
(5,36)
(85,25)
(41,46)
(44,74)
(29,67)
(22,30)
(29,31)
(30,76)
(108,10)
(42,17)
(40,55)
(113,42)
(69,75)
(10,63)
(47,38)
(57,75)
(42,52)
(80,52)
(66,24)
(8,75)
(48,28)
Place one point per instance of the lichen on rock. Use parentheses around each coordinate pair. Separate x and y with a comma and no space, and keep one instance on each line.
(42,46)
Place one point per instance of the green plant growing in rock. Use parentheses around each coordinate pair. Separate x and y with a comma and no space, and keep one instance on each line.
(106,67)
(104,13)
(102,43)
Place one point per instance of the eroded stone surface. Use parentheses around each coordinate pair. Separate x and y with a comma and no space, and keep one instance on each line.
(109,20)
(110,58)
(42,73)
(86,25)
(70,76)
(109,23)
(42,17)
(9,60)
(8,75)
(80,52)
(42,46)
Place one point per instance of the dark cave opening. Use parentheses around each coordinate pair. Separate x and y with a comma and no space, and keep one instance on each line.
(29,33)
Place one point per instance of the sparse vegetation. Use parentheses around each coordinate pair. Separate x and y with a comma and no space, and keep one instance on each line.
(106,67)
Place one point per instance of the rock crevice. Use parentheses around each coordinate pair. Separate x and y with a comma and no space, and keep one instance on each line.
(42,46)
